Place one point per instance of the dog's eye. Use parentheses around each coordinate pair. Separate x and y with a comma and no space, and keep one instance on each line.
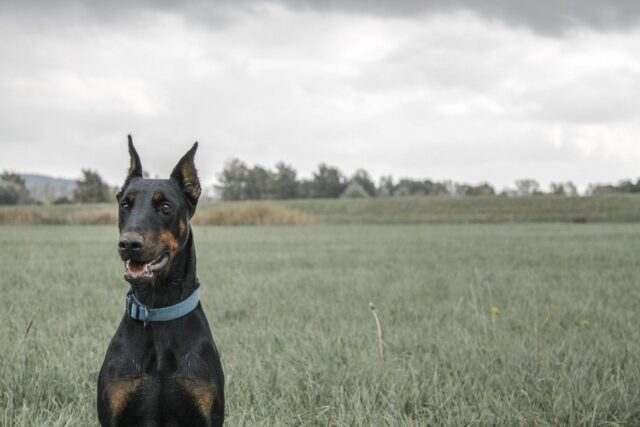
(166,208)
(124,205)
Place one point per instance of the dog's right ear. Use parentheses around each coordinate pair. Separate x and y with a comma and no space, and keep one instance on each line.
(135,167)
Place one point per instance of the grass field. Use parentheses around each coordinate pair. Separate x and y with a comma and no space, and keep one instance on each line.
(379,210)
(289,308)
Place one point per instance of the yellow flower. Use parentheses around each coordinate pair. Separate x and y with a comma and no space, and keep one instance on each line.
(494,310)
(584,322)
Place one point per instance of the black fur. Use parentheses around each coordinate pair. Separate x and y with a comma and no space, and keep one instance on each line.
(164,373)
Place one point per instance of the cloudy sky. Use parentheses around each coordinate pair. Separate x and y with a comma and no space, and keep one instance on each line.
(466,90)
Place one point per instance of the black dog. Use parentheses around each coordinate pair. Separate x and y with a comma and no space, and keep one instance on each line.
(162,367)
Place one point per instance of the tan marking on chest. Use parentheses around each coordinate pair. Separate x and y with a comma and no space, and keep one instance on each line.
(203,394)
(119,392)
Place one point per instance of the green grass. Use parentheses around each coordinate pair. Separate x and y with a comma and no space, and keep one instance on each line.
(289,310)
(412,210)
(447,210)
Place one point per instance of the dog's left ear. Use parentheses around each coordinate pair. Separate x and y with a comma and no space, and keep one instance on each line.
(186,175)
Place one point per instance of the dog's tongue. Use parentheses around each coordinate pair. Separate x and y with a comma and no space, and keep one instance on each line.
(137,267)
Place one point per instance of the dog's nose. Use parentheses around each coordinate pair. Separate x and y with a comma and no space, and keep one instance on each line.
(130,242)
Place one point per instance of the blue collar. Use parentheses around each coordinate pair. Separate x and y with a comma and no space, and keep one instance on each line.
(139,311)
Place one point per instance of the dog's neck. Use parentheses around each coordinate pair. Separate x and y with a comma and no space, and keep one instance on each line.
(174,286)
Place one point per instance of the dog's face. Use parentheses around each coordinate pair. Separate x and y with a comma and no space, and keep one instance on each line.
(153,217)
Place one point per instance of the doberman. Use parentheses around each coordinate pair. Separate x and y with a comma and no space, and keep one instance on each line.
(162,366)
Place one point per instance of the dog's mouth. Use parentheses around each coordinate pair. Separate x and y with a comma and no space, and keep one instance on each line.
(138,272)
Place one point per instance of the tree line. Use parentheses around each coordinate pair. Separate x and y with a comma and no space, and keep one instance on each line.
(239,181)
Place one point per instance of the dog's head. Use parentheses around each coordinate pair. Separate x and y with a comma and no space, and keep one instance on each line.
(153,217)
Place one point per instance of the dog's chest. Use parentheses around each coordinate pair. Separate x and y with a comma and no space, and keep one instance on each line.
(160,388)
(170,401)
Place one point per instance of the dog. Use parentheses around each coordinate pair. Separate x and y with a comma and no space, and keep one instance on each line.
(162,367)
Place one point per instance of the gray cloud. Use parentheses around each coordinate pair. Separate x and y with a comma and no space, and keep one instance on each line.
(550,17)
(545,16)
(439,94)
(598,98)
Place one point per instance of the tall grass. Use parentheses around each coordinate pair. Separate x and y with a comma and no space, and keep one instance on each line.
(505,325)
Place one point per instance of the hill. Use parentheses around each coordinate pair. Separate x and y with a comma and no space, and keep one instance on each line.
(45,188)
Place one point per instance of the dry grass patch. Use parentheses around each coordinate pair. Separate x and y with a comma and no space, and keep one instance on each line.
(75,215)
(100,216)
(252,214)
(20,216)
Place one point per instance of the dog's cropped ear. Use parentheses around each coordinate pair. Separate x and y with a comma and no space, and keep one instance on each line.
(186,175)
(135,167)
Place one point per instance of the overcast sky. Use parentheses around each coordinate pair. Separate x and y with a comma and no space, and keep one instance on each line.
(470,91)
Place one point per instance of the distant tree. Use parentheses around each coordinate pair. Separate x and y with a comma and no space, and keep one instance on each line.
(557,189)
(13,177)
(258,183)
(483,189)
(410,187)
(401,190)
(328,181)
(436,188)
(305,189)
(414,187)
(9,193)
(459,190)
(563,189)
(364,180)
(570,189)
(355,191)
(385,186)
(527,187)
(284,184)
(91,188)
(598,189)
(625,186)
(233,180)
(628,186)
(14,190)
